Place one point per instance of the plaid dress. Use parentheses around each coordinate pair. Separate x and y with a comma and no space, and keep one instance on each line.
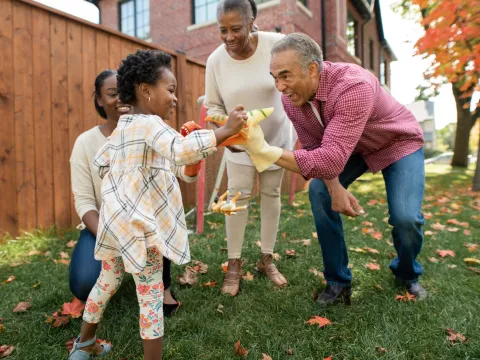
(141,198)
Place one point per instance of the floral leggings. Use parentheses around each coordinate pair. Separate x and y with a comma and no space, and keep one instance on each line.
(149,286)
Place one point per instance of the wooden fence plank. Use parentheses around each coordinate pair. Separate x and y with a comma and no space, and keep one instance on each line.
(8,203)
(75,91)
(127,48)
(42,118)
(114,52)
(23,107)
(61,149)
(89,73)
(103,61)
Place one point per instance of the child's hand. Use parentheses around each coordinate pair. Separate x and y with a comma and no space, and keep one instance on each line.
(236,120)
(192,170)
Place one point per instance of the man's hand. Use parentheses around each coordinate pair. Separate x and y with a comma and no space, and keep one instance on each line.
(343,201)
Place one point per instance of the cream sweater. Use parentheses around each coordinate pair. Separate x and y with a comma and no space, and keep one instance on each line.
(230,82)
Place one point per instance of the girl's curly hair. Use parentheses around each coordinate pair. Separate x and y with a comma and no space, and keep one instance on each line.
(145,66)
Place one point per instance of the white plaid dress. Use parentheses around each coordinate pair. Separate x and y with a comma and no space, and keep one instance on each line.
(141,199)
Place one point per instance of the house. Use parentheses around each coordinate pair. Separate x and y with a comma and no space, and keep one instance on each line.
(347,30)
(425,114)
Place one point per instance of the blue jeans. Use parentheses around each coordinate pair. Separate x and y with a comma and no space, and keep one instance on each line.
(84,269)
(405,184)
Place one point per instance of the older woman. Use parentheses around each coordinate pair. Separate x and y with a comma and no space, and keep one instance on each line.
(238,72)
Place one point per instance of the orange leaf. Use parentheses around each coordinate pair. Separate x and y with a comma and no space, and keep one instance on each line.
(209,284)
(466,232)
(444,253)
(189,277)
(284,235)
(320,321)
(472,247)
(62,261)
(71,244)
(225,266)
(406,298)
(372,266)
(57,320)
(366,230)
(438,226)
(367,223)
(9,280)
(290,252)
(239,350)
(6,350)
(248,276)
(74,308)
(372,202)
(34,252)
(328,358)
(200,267)
(266,357)
(454,337)
(22,307)
(370,250)
(377,235)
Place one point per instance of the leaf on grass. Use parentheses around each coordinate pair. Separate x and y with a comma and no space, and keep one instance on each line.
(372,266)
(71,244)
(438,226)
(276,256)
(378,286)
(248,276)
(307,242)
(22,307)
(9,280)
(454,337)
(475,270)
(213,225)
(328,358)
(36,285)
(225,266)
(200,267)
(284,235)
(20,264)
(258,243)
(389,243)
(472,261)
(471,247)
(367,230)
(358,250)
(34,252)
(209,284)
(452,266)
(64,255)
(370,250)
(62,261)
(239,350)
(466,232)
(372,202)
(406,298)
(57,320)
(427,215)
(452,229)
(290,252)
(443,253)
(74,308)
(317,273)
(315,235)
(6,350)
(429,233)
(320,321)
(189,277)
(433,259)
(380,349)
(377,235)
(220,308)
(289,351)
(2,328)
(266,357)
(367,223)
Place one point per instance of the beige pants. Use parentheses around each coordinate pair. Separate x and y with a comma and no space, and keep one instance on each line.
(241,178)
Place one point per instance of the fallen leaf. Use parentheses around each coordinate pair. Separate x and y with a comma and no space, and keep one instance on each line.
(34,252)
(290,252)
(427,215)
(276,257)
(62,261)
(225,266)
(372,202)
(213,225)
(381,349)
(2,328)
(64,255)
(372,266)
(367,223)
(317,273)
(9,280)
(320,321)
(220,308)
(294,204)
(438,226)
(453,221)
(367,230)
(433,259)
(471,247)
(189,277)
(358,250)
(200,267)
(259,243)
(307,242)
(452,266)
(328,358)
(22,307)
(475,270)
(444,253)
(239,350)
(289,351)
(466,232)
(471,261)
(266,357)
(284,235)
(210,236)
(36,285)
(429,233)
(248,276)
(71,244)
(73,308)
(452,229)
(378,286)
(209,284)
(377,235)
(19,264)
(314,234)
(389,243)
(6,350)
(57,320)
(370,250)
(406,298)
(454,337)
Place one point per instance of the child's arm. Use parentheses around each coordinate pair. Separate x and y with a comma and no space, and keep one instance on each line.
(101,162)
(180,173)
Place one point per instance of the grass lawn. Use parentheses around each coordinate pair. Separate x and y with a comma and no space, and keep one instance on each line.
(266,319)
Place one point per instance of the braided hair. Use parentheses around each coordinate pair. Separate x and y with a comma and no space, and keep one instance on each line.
(99,80)
(145,66)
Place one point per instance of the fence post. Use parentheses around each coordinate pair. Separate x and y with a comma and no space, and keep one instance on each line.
(181,75)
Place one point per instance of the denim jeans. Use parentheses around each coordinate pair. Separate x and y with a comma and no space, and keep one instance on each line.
(405,184)
(84,269)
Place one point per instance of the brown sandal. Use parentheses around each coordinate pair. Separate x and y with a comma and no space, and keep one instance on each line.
(231,282)
(267,267)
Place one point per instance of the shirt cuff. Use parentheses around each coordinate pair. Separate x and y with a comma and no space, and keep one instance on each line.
(83,209)
(302,157)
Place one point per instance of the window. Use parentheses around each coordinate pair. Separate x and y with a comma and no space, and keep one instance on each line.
(383,70)
(372,55)
(352,35)
(135,18)
(204,10)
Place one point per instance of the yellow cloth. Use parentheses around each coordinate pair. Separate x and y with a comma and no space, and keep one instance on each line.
(262,154)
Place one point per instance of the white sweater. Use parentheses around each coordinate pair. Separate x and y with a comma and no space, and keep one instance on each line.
(230,82)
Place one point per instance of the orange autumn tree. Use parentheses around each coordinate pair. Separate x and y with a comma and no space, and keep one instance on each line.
(452,42)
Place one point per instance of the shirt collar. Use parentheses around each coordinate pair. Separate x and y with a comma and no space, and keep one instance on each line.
(321,93)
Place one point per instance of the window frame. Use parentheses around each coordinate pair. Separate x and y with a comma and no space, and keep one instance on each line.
(371,50)
(135,29)
(355,35)
(193,12)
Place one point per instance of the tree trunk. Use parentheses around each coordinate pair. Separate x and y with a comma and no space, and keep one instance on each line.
(465,122)
(476,178)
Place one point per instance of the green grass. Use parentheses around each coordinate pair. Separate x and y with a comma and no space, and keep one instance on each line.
(266,319)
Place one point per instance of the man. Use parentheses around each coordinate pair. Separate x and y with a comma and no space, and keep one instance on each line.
(348,124)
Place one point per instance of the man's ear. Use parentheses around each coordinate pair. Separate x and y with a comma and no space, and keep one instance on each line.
(313,69)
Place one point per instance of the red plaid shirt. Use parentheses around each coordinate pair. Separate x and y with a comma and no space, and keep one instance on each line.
(359,117)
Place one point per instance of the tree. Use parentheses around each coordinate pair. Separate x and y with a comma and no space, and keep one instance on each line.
(452,44)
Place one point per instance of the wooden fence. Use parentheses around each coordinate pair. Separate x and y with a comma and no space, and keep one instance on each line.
(48,63)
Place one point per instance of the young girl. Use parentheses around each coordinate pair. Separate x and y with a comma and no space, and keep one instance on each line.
(142,217)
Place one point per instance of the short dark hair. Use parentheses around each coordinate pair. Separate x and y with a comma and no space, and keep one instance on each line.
(99,80)
(246,8)
(145,66)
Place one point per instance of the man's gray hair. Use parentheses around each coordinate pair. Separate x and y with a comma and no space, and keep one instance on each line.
(306,48)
